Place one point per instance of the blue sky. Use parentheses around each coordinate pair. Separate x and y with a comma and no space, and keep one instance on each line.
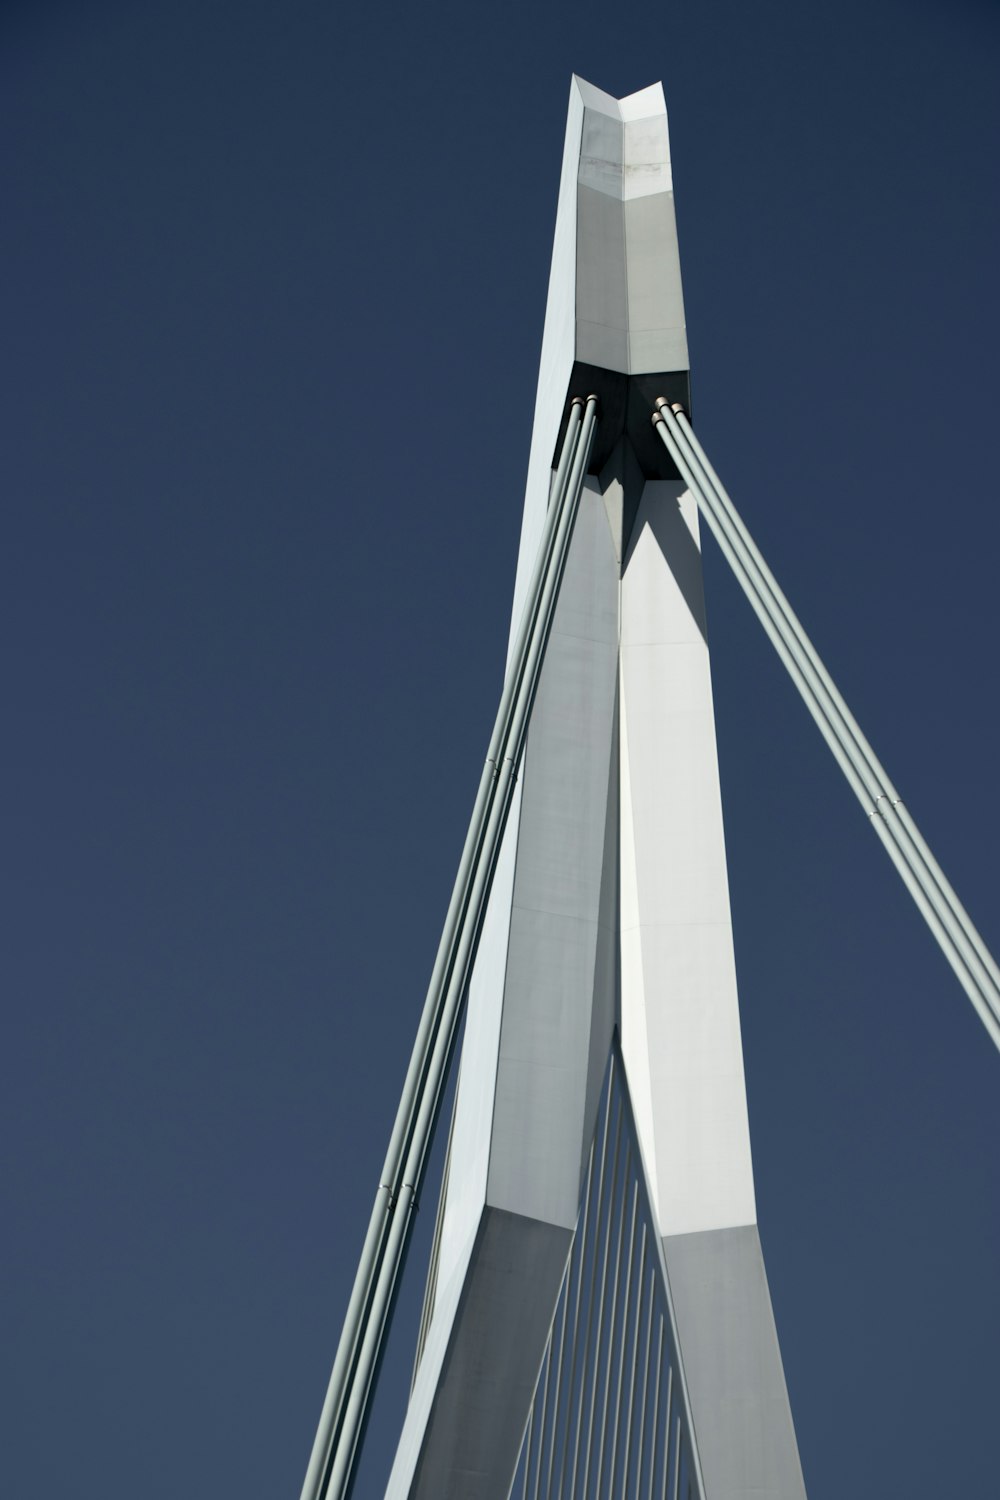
(271,305)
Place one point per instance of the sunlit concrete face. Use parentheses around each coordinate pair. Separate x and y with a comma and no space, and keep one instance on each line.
(680,1017)
(610,903)
(629,307)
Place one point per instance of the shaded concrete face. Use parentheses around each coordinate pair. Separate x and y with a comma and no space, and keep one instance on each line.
(732,1363)
(559,992)
(467,1412)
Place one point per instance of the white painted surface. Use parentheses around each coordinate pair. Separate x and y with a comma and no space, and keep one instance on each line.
(629,304)
(551,995)
(680,1017)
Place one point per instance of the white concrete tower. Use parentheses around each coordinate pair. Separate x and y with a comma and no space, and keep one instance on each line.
(607,936)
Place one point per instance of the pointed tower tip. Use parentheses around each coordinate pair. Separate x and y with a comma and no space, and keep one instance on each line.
(638,106)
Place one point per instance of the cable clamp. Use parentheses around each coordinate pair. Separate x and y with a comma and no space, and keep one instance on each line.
(414,1202)
(883,797)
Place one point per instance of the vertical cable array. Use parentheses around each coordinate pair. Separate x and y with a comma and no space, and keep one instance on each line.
(610,1418)
(332,1461)
(923,877)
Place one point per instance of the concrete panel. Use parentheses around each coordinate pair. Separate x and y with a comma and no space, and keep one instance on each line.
(658,349)
(601,344)
(675,793)
(595,98)
(621,486)
(643,103)
(602,150)
(601,289)
(632,986)
(654,283)
(474,1388)
(629,306)
(647,158)
(605,1011)
(448,1297)
(560,850)
(650,612)
(647,142)
(680,1016)
(704,1176)
(560,894)
(733,1366)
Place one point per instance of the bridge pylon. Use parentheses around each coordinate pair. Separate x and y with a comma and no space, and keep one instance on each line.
(597,1318)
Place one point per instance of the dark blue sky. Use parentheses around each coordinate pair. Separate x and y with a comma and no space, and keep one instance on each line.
(271,302)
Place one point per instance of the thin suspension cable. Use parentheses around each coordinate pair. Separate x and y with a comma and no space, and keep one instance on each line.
(615,1283)
(630,1407)
(543,1413)
(622,1343)
(344,1442)
(677,1459)
(954,937)
(589,1319)
(666,1428)
(576,1315)
(645,1385)
(599,1199)
(527,1455)
(615,1294)
(618,1441)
